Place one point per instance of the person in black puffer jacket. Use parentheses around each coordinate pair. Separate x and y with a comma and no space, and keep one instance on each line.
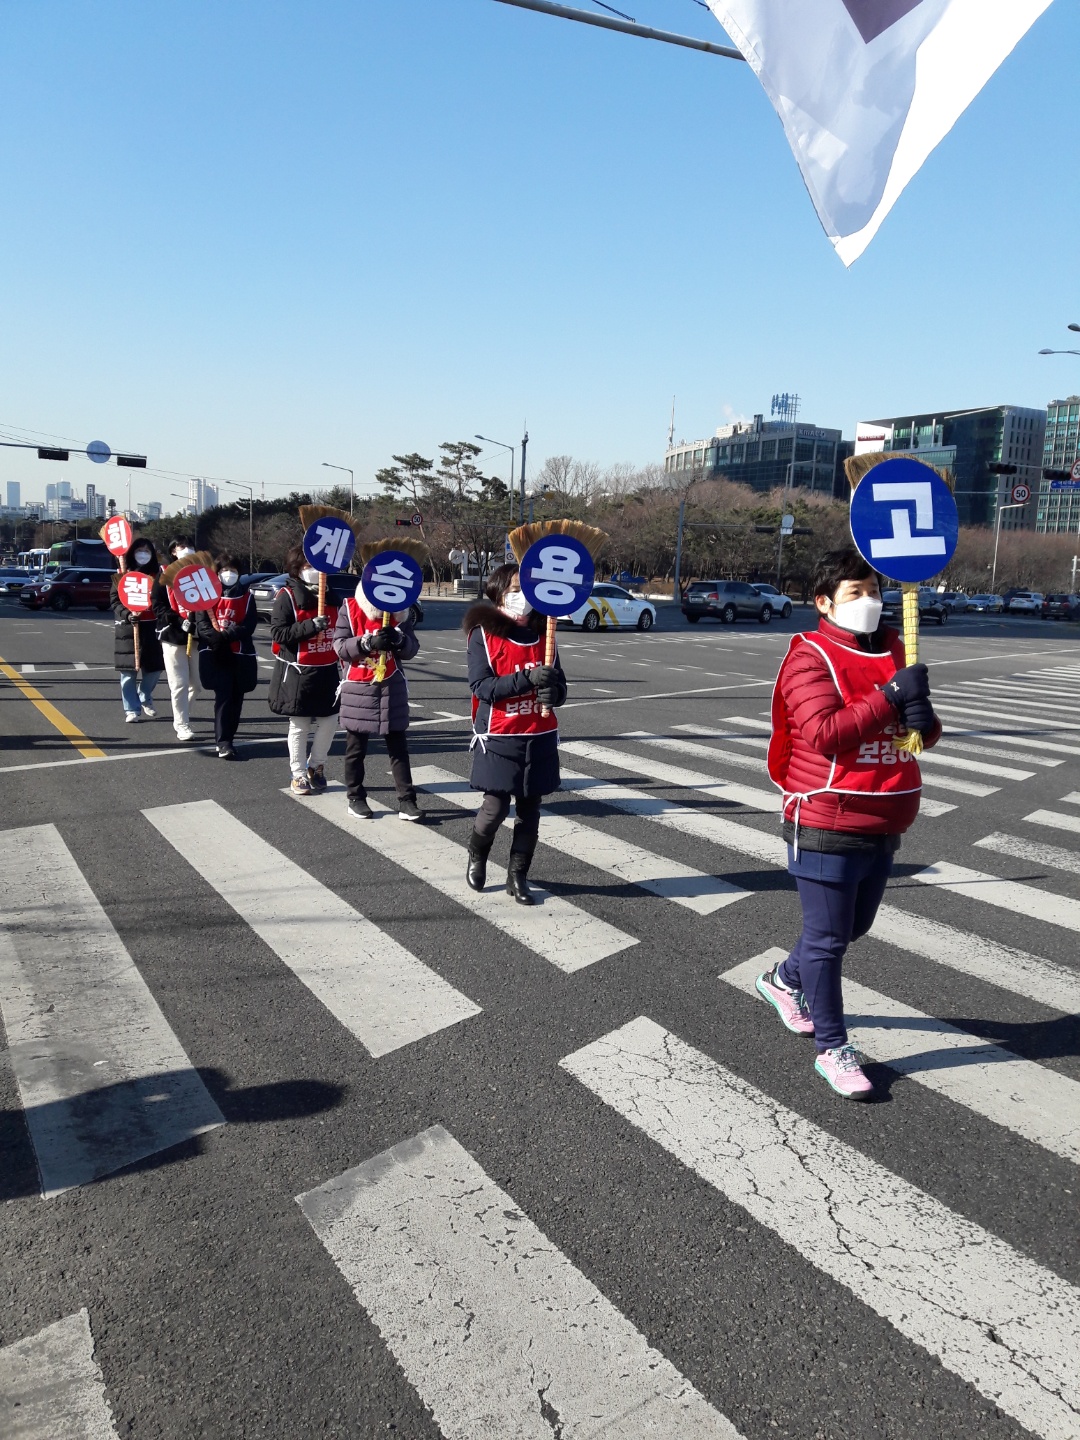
(304,683)
(515,747)
(375,707)
(138,676)
(227,662)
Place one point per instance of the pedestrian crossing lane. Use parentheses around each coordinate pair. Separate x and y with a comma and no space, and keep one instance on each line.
(1005,1324)
(51,1386)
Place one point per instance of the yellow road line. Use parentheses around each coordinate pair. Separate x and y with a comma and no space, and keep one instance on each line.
(82,743)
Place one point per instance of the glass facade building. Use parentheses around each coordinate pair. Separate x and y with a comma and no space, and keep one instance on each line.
(765,455)
(1059,510)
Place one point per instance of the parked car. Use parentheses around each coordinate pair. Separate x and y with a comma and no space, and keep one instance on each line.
(726,600)
(989,604)
(69,587)
(956,602)
(1024,602)
(931,607)
(610,607)
(1061,607)
(265,591)
(13,578)
(781,603)
(339,587)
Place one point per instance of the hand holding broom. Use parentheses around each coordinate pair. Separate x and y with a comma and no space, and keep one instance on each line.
(417,551)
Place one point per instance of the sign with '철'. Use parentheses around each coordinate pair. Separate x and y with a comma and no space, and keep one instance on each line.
(556,574)
(392,580)
(904,520)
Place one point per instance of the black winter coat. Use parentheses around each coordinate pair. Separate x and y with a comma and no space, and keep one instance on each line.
(167,623)
(521,765)
(311,690)
(219,668)
(151,659)
(374,709)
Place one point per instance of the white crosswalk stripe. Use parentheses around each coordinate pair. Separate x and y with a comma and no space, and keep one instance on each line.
(950,744)
(1009,737)
(1055,819)
(1031,1101)
(1005,894)
(1029,705)
(1012,845)
(1008,1326)
(563,934)
(376,988)
(956,705)
(51,1386)
(500,1334)
(752,742)
(678,883)
(103,1079)
(675,775)
(701,752)
(1021,688)
(941,755)
(1072,799)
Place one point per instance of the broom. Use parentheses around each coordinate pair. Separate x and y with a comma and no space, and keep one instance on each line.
(416,550)
(123,567)
(169,574)
(308,515)
(856,468)
(526,535)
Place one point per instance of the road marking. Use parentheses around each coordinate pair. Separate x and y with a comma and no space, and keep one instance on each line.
(955,707)
(948,744)
(1031,706)
(978,767)
(48,670)
(1005,894)
(1004,1324)
(561,933)
(751,722)
(668,694)
(1057,821)
(681,884)
(675,775)
(1035,1103)
(1010,738)
(1073,798)
(376,988)
(103,1079)
(1017,971)
(1055,856)
(705,752)
(965,787)
(51,1386)
(85,746)
(755,742)
(493,1326)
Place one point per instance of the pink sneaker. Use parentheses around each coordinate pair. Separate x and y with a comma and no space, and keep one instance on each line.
(790,1005)
(842,1068)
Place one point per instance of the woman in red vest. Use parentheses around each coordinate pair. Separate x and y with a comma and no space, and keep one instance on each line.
(227,661)
(843,694)
(304,684)
(515,747)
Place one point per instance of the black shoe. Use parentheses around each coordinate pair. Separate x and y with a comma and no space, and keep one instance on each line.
(226,752)
(476,870)
(408,809)
(517,872)
(360,809)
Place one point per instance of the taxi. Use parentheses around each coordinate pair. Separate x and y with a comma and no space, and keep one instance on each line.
(610,607)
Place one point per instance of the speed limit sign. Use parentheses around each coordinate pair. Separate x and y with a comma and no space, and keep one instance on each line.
(1021,493)
(1076,471)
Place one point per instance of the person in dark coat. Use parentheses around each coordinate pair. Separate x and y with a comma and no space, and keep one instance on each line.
(375,707)
(304,683)
(515,748)
(227,662)
(139,674)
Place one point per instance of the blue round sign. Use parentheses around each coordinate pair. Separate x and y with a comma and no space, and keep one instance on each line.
(329,544)
(556,575)
(392,580)
(904,520)
(98,451)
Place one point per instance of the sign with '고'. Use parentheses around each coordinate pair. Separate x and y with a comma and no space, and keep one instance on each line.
(904,520)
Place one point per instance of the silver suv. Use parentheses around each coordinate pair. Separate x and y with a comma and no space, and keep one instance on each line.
(726,600)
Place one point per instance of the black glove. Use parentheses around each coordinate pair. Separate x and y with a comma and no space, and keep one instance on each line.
(912,683)
(548,695)
(540,677)
(396,641)
(186,626)
(919,715)
(379,641)
(321,623)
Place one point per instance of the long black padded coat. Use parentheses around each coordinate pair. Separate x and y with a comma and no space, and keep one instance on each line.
(374,709)
(521,765)
(151,659)
(309,690)
(219,668)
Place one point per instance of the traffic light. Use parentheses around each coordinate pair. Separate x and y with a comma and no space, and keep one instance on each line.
(404,522)
(1057,474)
(137,462)
(997,469)
(52,454)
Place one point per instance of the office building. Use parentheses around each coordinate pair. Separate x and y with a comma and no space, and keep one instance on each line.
(95,504)
(764,454)
(14,493)
(967,443)
(1057,503)
(201,496)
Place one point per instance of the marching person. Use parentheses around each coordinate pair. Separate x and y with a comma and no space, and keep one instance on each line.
(844,692)
(515,748)
(175,627)
(139,673)
(304,684)
(375,707)
(227,662)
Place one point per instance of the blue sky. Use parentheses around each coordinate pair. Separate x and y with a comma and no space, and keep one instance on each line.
(244,238)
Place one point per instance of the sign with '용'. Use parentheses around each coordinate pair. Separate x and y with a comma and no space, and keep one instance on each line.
(556,575)
(392,580)
(198,587)
(904,520)
(117,535)
(329,544)
(134,589)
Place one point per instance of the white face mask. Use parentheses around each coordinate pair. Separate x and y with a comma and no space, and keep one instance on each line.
(515,604)
(228,577)
(142,557)
(183,551)
(310,577)
(860,617)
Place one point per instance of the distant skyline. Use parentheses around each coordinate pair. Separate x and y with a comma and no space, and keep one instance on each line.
(246,241)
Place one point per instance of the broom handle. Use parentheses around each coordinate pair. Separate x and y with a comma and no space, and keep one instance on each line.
(912,741)
(135,629)
(549,654)
(322,592)
(380,664)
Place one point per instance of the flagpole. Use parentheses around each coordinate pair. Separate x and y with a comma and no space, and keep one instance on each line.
(625,27)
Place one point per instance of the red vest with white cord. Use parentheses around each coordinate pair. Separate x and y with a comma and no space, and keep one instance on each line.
(815,783)
(360,623)
(517,714)
(232,611)
(176,603)
(316,649)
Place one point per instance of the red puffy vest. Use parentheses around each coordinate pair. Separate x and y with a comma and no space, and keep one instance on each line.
(177,604)
(360,623)
(517,714)
(316,649)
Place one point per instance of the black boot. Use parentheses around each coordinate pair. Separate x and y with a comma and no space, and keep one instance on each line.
(476,871)
(517,872)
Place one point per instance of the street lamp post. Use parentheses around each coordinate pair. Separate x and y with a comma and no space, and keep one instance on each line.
(251,520)
(997,538)
(503,446)
(1060,352)
(352,481)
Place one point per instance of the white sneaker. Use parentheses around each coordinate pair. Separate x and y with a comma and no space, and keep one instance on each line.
(149,712)
(186,733)
(132,717)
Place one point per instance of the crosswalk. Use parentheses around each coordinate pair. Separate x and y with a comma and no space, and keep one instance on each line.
(500,1326)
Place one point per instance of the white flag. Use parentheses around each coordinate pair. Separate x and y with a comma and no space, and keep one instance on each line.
(867,88)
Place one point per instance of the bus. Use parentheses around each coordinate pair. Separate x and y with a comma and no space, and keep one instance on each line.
(32,559)
(88,554)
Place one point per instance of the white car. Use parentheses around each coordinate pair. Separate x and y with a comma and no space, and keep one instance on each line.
(1025,602)
(610,607)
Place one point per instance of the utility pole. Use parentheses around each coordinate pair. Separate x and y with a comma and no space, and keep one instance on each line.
(524,447)
(997,539)
(675,595)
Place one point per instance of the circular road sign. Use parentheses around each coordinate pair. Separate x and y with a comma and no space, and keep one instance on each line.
(392,580)
(418,519)
(1021,493)
(1075,472)
(98,451)
(904,520)
(557,574)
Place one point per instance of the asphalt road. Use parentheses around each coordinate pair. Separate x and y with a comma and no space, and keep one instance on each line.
(619,1201)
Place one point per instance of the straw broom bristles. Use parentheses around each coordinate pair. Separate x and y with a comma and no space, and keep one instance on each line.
(526,535)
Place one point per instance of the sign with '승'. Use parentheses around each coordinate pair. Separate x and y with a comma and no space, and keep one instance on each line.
(904,520)
(556,574)
(392,580)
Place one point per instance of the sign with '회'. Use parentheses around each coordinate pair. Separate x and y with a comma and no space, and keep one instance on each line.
(904,520)
(556,575)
